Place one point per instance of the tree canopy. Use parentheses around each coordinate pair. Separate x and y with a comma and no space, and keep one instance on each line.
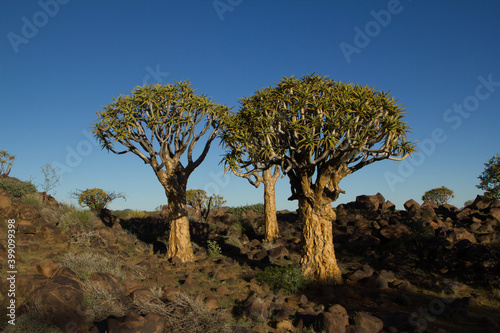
(490,179)
(440,195)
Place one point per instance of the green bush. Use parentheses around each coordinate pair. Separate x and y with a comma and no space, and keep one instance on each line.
(16,187)
(213,248)
(290,278)
(240,210)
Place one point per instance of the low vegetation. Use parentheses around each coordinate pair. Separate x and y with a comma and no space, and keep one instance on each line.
(239,211)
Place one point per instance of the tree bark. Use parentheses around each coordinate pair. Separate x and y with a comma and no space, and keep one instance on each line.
(318,257)
(179,245)
(272,230)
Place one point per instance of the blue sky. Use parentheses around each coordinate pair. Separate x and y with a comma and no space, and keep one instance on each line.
(62,60)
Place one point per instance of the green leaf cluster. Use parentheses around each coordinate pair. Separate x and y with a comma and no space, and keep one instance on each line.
(490,179)
(441,195)
(95,198)
(17,188)
(6,161)
(157,120)
(289,278)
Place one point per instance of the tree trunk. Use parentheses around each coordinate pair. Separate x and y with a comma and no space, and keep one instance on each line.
(179,245)
(318,258)
(272,231)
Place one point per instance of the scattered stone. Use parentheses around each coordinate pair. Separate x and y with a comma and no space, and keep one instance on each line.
(335,319)
(370,323)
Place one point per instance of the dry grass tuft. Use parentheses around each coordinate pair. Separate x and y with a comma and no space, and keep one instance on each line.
(102,303)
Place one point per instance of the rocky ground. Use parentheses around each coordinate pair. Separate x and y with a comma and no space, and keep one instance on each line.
(427,268)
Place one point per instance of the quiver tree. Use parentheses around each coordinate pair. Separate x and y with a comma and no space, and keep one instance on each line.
(6,161)
(241,144)
(441,195)
(202,203)
(95,199)
(319,131)
(160,124)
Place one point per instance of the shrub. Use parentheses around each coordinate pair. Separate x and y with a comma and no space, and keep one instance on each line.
(81,219)
(213,248)
(33,320)
(85,264)
(16,187)
(290,278)
(95,198)
(196,317)
(33,199)
(102,303)
(240,210)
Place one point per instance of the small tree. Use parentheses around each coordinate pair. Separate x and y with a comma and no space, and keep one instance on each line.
(319,131)
(441,195)
(95,198)
(202,203)
(6,161)
(160,124)
(241,144)
(490,179)
(51,178)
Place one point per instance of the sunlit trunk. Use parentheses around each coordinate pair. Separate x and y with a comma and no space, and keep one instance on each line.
(318,257)
(179,245)
(272,230)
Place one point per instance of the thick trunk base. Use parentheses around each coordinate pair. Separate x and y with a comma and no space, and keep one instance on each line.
(179,246)
(318,259)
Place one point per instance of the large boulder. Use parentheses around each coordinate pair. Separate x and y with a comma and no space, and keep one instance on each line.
(369,202)
(4,199)
(412,207)
(60,301)
(335,319)
(370,323)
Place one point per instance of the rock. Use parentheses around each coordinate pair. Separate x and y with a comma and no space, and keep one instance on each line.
(394,231)
(370,323)
(479,203)
(61,304)
(212,303)
(256,309)
(47,268)
(142,296)
(307,317)
(4,199)
(134,322)
(278,253)
(457,234)
(355,329)
(360,274)
(222,291)
(430,203)
(369,202)
(494,213)
(335,319)
(285,326)
(412,207)
(387,206)
(284,313)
